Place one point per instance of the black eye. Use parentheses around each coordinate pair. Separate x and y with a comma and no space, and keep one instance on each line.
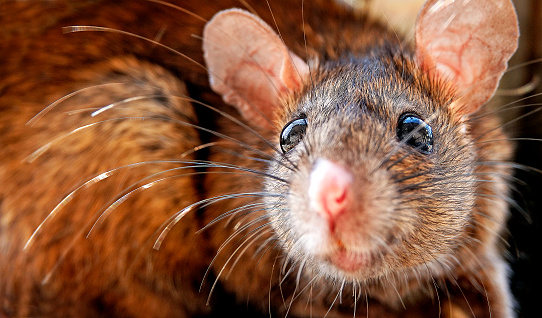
(415,132)
(292,133)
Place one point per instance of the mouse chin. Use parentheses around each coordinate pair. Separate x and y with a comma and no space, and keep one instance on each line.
(349,262)
(342,262)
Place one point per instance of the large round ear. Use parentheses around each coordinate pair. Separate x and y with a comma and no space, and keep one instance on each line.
(249,65)
(469,42)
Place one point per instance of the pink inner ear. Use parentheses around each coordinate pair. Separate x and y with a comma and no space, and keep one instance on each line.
(249,65)
(469,43)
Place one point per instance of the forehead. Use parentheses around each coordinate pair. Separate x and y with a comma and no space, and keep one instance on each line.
(383,86)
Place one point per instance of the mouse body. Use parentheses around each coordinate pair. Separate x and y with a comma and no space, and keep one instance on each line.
(287,160)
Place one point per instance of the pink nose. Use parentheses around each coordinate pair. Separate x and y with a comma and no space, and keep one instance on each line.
(329,189)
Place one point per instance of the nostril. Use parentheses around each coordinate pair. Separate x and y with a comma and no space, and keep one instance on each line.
(329,189)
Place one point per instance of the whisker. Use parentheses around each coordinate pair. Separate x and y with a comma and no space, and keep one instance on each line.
(404,140)
(391,27)
(522,90)
(271,285)
(142,97)
(178,8)
(311,79)
(293,297)
(215,164)
(281,280)
(228,240)
(100,219)
(425,264)
(309,300)
(32,157)
(506,107)
(86,184)
(255,232)
(104,175)
(172,221)
(160,34)
(509,201)
(214,109)
(248,7)
(398,161)
(367,304)
(332,304)
(49,107)
(270,242)
(240,123)
(396,291)
(286,273)
(232,212)
(282,38)
(241,230)
(506,139)
(456,283)
(520,65)
(90,28)
(128,100)
(126,196)
(47,146)
(354,289)
(243,251)
(309,284)
(514,165)
(433,183)
(201,147)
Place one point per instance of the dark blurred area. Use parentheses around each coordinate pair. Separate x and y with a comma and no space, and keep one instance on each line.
(525,233)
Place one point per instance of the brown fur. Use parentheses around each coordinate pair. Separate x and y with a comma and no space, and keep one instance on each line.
(115,271)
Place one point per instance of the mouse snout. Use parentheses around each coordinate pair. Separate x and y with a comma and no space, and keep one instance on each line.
(330,189)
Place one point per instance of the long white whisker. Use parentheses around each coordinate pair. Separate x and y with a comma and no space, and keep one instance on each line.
(257,233)
(180,214)
(333,303)
(90,182)
(46,147)
(49,107)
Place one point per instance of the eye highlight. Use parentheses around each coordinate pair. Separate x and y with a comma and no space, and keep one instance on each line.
(416,133)
(292,133)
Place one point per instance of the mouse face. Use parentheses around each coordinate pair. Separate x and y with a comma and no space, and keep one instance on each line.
(379,178)
(382,170)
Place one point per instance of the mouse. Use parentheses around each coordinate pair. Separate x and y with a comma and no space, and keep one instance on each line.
(253,159)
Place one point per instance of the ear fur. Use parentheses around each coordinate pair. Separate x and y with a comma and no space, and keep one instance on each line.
(468,42)
(249,65)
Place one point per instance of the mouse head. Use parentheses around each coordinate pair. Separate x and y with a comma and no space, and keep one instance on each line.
(383,167)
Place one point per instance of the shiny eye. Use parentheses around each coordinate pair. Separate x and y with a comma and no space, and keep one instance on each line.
(292,133)
(415,132)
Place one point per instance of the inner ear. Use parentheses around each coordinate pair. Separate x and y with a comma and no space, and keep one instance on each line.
(468,43)
(249,65)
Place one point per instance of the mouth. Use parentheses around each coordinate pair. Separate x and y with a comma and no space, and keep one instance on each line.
(349,261)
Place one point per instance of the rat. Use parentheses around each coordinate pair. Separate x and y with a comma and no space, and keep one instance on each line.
(288,160)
